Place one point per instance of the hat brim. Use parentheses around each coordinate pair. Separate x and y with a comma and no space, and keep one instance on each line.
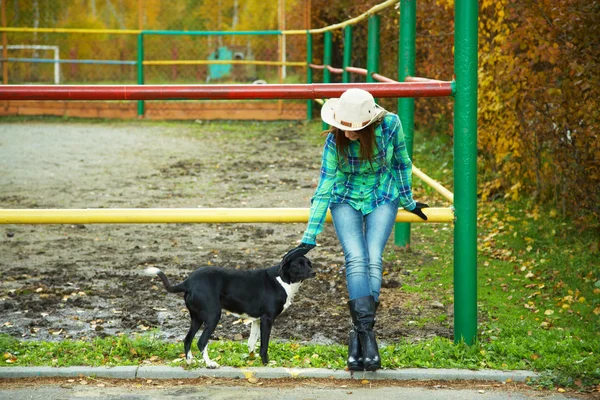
(328,112)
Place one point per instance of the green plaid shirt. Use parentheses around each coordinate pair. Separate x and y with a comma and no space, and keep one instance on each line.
(363,185)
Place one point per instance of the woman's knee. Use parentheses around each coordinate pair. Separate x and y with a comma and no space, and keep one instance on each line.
(357,265)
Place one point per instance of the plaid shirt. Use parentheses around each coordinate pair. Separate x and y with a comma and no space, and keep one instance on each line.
(363,185)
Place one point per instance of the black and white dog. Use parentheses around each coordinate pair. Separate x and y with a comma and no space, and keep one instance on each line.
(260,295)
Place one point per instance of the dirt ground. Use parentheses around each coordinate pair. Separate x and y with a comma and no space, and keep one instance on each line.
(84,281)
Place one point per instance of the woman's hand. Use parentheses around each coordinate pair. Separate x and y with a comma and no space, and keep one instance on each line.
(417,210)
(297,252)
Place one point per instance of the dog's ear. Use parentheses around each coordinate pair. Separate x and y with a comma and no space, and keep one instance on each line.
(284,271)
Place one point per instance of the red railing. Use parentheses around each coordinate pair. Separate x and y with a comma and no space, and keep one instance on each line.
(219,92)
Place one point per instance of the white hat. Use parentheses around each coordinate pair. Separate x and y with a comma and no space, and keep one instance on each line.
(354,110)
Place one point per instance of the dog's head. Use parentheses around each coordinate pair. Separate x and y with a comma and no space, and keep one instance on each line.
(297,270)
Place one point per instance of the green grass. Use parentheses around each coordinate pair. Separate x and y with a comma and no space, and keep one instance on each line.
(538,292)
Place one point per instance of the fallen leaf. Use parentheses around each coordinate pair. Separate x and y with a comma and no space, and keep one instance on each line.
(549,312)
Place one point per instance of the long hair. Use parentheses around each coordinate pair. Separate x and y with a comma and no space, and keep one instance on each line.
(366,138)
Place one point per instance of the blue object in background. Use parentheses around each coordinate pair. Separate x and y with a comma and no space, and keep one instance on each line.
(217,71)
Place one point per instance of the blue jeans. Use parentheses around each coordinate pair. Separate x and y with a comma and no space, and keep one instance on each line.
(363,238)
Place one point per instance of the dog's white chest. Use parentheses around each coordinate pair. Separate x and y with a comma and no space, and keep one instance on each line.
(290,291)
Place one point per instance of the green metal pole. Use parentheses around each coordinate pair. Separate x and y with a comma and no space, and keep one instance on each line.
(140,70)
(347,52)
(309,74)
(406,106)
(373,47)
(327,44)
(465,171)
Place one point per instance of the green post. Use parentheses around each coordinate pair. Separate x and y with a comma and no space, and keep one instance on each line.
(309,75)
(347,52)
(327,44)
(140,70)
(373,47)
(465,171)
(406,106)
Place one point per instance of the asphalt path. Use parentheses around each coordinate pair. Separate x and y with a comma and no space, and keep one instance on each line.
(161,382)
(184,392)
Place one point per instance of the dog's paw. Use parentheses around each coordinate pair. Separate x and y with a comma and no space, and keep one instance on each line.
(210,364)
(189,358)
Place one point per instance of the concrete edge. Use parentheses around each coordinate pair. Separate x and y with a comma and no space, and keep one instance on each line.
(166,372)
(68,372)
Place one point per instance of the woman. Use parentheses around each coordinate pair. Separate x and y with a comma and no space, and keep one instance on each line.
(365,175)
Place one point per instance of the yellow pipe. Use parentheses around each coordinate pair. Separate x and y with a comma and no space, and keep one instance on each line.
(67,30)
(295,32)
(367,14)
(373,10)
(434,184)
(200,62)
(185,215)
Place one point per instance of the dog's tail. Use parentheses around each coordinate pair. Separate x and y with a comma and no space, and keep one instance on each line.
(170,288)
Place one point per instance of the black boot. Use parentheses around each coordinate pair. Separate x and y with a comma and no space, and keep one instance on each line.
(363,318)
(355,358)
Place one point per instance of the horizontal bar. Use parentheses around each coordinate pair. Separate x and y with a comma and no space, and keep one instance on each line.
(355,70)
(434,184)
(157,62)
(335,70)
(71,30)
(137,31)
(295,32)
(419,79)
(210,33)
(381,78)
(360,71)
(186,215)
(218,92)
(63,61)
(209,62)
